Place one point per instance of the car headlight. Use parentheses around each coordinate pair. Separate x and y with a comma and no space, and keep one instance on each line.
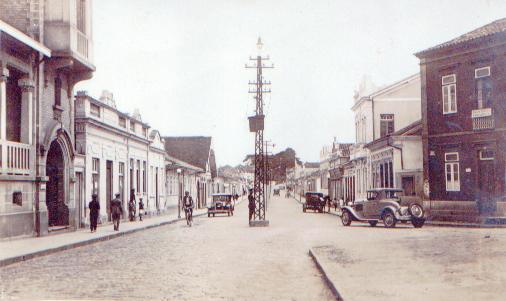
(416,210)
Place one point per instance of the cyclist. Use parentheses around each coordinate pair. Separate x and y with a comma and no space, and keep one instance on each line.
(188,206)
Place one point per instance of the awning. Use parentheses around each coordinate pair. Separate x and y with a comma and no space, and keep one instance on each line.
(23,38)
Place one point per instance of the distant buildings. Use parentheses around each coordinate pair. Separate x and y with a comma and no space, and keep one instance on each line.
(438,134)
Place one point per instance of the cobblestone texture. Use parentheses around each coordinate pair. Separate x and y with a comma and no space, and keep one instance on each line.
(218,258)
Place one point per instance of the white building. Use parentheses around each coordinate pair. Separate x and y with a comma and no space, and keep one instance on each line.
(116,153)
(379,113)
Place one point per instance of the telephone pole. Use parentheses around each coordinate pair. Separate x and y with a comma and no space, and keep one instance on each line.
(256,124)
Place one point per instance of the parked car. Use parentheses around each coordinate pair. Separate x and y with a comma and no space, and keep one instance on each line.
(314,201)
(383,204)
(222,203)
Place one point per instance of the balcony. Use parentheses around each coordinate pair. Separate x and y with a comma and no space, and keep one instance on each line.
(483,119)
(16,158)
(67,31)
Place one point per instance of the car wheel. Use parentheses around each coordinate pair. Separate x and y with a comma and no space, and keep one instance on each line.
(416,211)
(373,223)
(346,218)
(389,219)
(418,223)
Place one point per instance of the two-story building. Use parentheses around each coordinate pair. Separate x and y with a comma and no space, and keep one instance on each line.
(379,114)
(339,157)
(45,49)
(464,124)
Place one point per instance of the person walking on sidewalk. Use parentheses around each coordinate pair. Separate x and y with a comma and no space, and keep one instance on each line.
(94,207)
(141,209)
(187,204)
(131,206)
(251,204)
(116,211)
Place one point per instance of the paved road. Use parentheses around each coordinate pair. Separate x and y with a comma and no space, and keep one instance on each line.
(217,259)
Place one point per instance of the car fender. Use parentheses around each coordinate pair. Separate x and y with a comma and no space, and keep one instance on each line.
(353,213)
(390,208)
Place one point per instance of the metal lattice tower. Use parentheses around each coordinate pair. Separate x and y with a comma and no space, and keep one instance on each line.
(260,166)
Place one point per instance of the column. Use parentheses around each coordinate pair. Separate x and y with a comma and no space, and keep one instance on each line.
(4,74)
(27,88)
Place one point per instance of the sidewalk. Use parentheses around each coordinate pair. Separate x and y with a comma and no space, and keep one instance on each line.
(22,249)
(436,223)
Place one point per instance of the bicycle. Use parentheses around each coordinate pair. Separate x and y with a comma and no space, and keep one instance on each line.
(189,217)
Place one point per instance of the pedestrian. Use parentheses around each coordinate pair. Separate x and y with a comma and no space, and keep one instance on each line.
(327,198)
(116,211)
(141,209)
(131,206)
(94,207)
(251,204)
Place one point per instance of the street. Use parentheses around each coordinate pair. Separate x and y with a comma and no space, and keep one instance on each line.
(218,258)
(222,258)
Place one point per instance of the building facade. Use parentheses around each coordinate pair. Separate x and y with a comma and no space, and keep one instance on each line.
(119,154)
(45,49)
(378,114)
(464,122)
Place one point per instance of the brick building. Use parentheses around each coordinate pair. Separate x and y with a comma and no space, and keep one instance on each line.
(45,49)
(464,124)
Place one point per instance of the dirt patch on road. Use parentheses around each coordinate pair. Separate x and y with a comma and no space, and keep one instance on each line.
(334,254)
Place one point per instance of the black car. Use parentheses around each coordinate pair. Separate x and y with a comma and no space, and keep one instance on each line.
(314,201)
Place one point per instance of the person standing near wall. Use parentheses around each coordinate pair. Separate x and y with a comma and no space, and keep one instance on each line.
(251,204)
(94,207)
(116,211)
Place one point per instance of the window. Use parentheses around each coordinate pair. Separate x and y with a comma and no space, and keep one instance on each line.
(144,132)
(386,124)
(452,171)
(81,15)
(95,176)
(483,87)
(57,91)
(487,154)
(95,110)
(449,86)
(132,126)
(122,122)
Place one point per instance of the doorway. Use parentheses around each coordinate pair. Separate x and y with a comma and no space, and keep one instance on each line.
(81,204)
(108,188)
(57,210)
(408,185)
(486,178)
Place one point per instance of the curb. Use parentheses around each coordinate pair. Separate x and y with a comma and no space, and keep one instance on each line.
(329,282)
(24,257)
(463,225)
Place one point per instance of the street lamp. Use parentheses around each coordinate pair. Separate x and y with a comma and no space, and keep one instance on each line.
(180,192)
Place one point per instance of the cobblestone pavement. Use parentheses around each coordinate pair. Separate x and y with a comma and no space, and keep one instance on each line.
(218,258)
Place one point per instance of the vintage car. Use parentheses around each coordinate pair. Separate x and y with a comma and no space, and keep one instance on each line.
(383,204)
(314,201)
(222,203)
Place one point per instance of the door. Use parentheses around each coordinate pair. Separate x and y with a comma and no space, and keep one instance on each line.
(156,191)
(108,189)
(81,204)
(486,178)
(408,185)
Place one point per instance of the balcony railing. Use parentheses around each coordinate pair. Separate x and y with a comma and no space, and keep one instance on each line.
(82,44)
(483,119)
(16,158)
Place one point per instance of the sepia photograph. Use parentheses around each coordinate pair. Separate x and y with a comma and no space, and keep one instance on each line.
(214,150)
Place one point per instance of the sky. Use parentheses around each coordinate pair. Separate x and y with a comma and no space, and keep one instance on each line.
(182,62)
